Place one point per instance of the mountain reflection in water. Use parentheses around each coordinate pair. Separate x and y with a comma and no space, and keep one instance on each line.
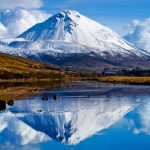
(73,113)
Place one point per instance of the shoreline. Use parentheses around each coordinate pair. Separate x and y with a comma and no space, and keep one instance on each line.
(130,80)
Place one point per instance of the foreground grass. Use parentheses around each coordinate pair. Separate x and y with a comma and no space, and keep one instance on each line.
(126,80)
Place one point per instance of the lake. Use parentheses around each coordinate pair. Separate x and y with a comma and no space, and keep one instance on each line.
(81,115)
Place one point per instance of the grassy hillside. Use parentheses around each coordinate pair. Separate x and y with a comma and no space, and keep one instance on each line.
(12,67)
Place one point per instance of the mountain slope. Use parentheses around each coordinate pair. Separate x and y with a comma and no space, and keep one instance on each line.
(71,26)
(18,67)
(69,39)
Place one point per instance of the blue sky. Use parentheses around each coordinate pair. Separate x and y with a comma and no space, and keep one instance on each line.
(112,13)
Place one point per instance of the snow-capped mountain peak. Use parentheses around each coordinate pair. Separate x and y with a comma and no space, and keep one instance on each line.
(71,26)
(72,14)
(69,39)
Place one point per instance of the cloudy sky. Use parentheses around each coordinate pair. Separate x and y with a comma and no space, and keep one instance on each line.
(123,16)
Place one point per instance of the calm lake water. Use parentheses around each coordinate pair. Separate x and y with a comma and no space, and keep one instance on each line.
(76,116)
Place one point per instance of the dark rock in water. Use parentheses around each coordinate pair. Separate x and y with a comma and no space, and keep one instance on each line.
(55,97)
(45,98)
(10,103)
(2,105)
(39,110)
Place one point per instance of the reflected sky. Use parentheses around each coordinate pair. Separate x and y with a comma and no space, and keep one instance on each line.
(81,115)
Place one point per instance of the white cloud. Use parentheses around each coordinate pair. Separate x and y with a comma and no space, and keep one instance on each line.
(3,30)
(16,16)
(14,22)
(139,34)
(27,4)
(19,132)
(145,118)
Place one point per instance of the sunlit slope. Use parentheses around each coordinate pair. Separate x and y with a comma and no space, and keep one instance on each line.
(18,67)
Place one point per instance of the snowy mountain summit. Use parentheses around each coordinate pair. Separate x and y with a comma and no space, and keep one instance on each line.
(71,40)
(71,26)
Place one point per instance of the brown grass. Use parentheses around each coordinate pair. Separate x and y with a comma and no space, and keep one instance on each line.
(126,80)
(12,67)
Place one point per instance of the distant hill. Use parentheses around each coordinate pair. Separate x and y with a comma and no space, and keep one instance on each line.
(12,67)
